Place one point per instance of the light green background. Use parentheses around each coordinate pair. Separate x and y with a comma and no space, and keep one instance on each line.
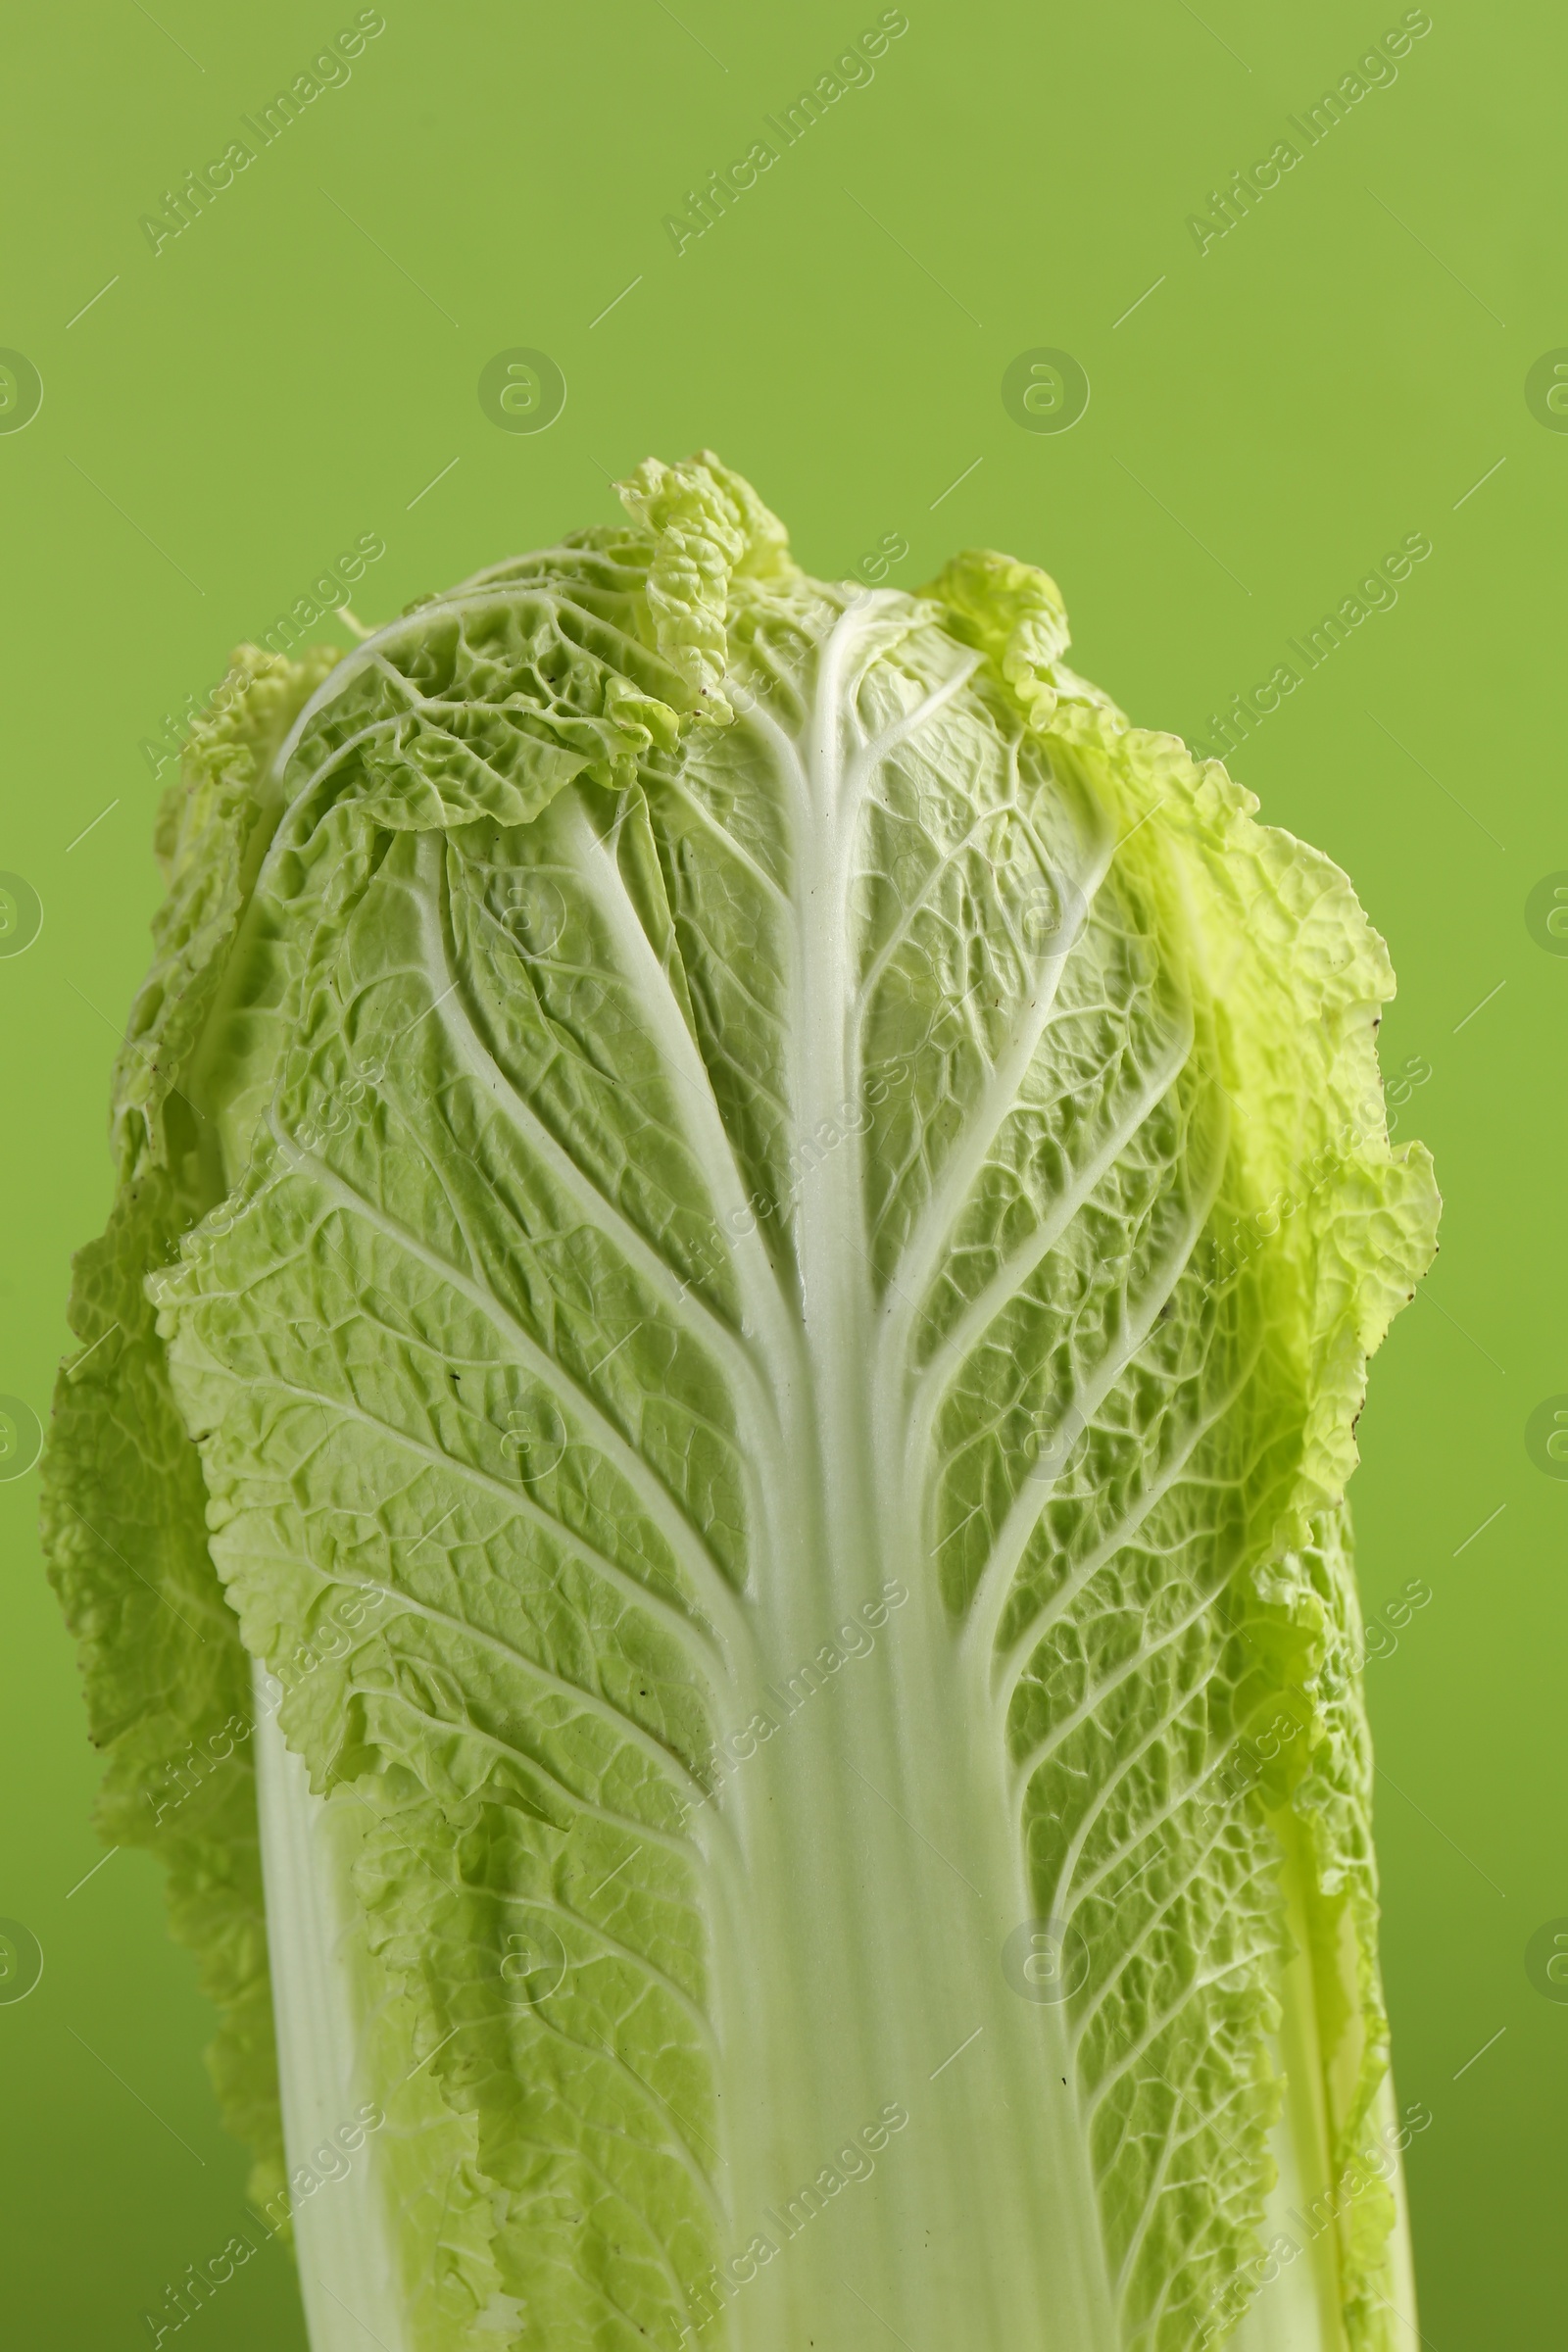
(1336,372)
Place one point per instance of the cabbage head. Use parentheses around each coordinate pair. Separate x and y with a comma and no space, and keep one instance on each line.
(705,1503)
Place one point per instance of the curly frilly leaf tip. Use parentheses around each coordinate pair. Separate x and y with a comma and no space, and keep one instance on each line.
(709,529)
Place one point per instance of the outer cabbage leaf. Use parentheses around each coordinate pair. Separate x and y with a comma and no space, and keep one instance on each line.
(166,1678)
